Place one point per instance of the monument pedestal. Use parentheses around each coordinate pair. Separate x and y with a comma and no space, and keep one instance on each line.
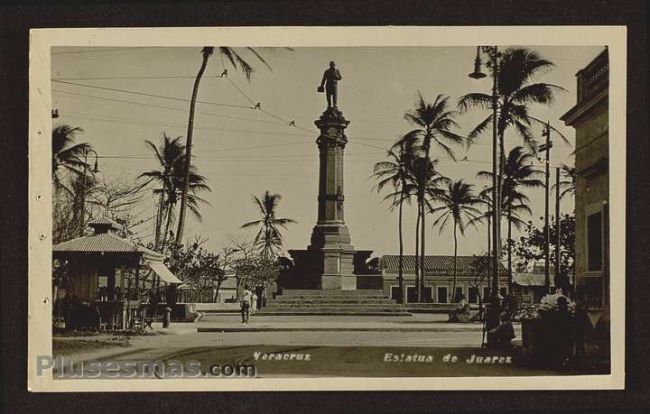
(330,262)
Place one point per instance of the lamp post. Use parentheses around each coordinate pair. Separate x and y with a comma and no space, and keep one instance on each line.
(83,187)
(493,55)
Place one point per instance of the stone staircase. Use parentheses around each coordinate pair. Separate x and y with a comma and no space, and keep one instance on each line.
(333,302)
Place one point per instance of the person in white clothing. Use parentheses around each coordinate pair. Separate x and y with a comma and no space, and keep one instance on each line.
(253,303)
(245,304)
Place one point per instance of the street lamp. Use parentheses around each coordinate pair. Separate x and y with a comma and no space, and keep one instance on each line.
(83,186)
(493,55)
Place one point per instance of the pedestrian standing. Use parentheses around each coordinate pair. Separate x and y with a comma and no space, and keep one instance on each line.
(253,303)
(245,304)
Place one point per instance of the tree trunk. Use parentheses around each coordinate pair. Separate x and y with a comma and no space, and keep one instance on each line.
(159,219)
(509,248)
(417,250)
(422,264)
(170,211)
(453,290)
(423,269)
(188,150)
(400,271)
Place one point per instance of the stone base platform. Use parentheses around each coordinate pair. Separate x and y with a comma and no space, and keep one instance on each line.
(333,302)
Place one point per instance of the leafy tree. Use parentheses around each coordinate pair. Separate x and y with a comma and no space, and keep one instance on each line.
(254,269)
(459,205)
(530,247)
(116,200)
(197,267)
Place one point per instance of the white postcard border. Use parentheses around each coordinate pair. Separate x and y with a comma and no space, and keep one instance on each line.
(40,197)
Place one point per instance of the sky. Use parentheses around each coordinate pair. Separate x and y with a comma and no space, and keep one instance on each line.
(121,97)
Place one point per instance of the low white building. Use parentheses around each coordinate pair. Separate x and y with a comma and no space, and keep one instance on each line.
(439,279)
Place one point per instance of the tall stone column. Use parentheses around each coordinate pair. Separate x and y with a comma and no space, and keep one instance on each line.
(330,236)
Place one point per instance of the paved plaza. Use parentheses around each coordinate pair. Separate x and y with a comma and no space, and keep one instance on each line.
(419,345)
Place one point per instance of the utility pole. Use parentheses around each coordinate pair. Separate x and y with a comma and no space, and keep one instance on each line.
(82,215)
(558,233)
(547,235)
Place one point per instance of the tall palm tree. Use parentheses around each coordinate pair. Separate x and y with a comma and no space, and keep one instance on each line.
(67,156)
(167,154)
(397,171)
(519,173)
(269,236)
(517,91)
(170,155)
(434,122)
(458,204)
(238,62)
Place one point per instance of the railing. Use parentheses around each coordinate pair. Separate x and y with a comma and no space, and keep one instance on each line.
(594,78)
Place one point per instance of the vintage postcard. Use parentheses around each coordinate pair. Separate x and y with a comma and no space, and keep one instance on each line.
(319,208)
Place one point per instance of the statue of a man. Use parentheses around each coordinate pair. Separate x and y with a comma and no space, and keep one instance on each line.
(330,81)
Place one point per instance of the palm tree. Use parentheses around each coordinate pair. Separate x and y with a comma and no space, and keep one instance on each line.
(516,92)
(167,154)
(518,173)
(238,62)
(397,172)
(67,156)
(170,176)
(434,123)
(459,203)
(269,236)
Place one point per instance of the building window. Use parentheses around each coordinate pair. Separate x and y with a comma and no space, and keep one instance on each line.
(473,295)
(412,294)
(442,294)
(595,242)
(394,292)
(459,293)
(486,293)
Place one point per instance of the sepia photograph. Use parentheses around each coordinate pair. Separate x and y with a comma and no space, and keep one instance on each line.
(353,212)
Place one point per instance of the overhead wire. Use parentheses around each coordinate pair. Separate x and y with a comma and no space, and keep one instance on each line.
(149,95)
(285,122)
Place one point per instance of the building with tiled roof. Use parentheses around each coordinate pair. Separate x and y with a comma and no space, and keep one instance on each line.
(438,279)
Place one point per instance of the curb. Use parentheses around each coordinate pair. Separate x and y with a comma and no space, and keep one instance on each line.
(333,329)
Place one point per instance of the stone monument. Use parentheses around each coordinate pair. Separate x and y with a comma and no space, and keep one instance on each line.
(330,261)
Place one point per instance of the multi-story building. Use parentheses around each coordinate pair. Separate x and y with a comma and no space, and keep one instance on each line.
(590,119)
